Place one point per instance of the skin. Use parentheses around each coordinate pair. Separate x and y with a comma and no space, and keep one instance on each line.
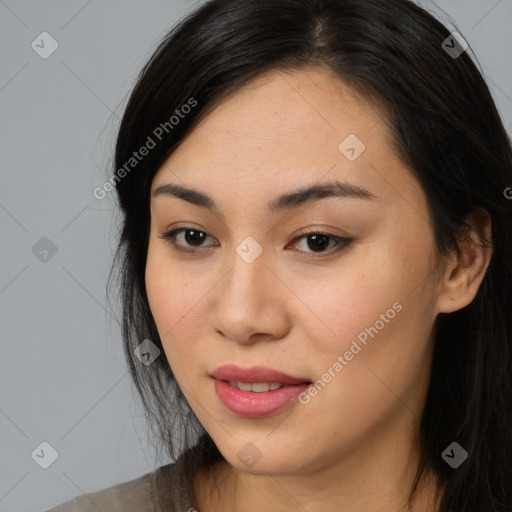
(352,447)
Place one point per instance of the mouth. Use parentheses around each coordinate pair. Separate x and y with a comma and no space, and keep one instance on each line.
(258,391)
(255,387)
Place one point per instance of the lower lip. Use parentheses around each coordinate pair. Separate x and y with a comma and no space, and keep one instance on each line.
(257,405)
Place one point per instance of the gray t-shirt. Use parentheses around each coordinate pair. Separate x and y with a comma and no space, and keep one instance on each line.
(162,490)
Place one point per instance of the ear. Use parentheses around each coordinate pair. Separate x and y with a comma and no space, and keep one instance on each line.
(463,275)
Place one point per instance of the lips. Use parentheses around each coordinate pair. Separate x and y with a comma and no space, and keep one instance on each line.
(255,374)
(258,391)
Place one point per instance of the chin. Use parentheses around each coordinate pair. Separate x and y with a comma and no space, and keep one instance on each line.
(265,460)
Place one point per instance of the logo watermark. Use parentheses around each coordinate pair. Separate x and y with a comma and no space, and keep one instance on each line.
(454,455)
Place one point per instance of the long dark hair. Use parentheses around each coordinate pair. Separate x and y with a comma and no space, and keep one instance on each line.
(446,128)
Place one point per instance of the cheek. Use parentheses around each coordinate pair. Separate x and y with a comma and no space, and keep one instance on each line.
(354,298)
(378,316)
(173,300)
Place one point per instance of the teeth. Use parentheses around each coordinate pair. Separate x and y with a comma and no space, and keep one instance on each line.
(255,387)
(244,386)
(260,387)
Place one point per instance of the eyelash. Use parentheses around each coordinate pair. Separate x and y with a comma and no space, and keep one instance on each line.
(342,243)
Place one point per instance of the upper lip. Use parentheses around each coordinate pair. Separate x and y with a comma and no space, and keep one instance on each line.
(254,374)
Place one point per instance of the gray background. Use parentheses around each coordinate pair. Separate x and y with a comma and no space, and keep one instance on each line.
(63,378)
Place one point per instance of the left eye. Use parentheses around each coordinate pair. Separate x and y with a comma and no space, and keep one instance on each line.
(317,241)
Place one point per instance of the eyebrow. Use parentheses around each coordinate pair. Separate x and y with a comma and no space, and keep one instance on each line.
(286,201)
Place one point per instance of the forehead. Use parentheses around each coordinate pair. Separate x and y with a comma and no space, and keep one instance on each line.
(289,128)
(306,110)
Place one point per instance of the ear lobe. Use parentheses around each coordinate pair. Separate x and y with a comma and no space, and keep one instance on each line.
(464,274)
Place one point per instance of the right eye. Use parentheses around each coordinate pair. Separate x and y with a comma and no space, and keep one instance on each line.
(192,236)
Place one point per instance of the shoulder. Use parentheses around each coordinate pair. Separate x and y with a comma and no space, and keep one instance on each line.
(136,495)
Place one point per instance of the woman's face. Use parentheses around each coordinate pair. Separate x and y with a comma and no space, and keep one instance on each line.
(248,283)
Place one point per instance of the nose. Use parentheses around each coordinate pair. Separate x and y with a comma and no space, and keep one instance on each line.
(250,302)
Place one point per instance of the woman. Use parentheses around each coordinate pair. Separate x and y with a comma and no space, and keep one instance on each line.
(315,264)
